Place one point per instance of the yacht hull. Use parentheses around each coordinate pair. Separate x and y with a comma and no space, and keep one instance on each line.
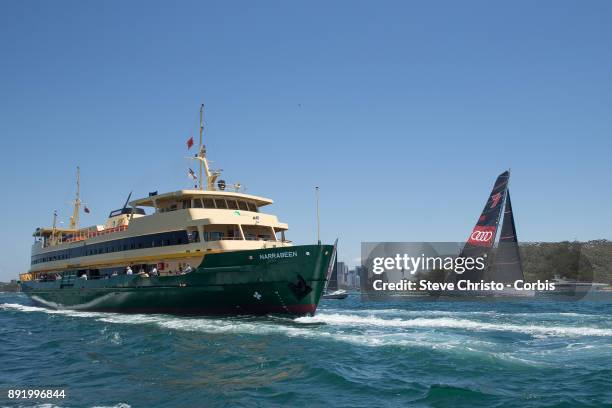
(286,281)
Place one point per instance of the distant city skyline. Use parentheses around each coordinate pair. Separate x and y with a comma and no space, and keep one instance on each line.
(403,113)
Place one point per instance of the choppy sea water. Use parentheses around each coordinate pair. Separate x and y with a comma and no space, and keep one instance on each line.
(351,354)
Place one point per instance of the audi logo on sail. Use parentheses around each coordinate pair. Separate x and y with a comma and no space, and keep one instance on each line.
(481,236)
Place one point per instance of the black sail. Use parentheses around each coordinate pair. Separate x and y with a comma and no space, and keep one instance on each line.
(481,239)
(507,266)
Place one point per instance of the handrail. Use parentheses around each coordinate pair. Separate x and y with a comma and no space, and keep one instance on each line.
(91,234)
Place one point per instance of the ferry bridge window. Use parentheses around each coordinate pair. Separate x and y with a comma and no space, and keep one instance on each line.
(232,204)
(209,203)
(197,203)
(243,205)
(186,204)
(252,207)
(221,203)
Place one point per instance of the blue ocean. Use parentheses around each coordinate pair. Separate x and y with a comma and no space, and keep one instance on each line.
(353,353)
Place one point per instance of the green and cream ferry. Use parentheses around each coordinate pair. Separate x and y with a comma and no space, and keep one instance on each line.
(200,251)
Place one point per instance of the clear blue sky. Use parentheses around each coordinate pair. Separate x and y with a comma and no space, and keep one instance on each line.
(403,112)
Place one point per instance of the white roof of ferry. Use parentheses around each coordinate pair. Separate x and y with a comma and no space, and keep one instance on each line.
(184,194)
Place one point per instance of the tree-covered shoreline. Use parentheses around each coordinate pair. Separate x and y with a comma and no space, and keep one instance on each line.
(589,261)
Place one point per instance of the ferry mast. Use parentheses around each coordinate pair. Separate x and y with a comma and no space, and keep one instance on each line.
(74,220)
(211,175)
(200,151)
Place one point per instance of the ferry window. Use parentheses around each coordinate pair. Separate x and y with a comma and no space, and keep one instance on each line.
(186,204)
(232,204)
(197,203)
(252,207)
(208,203)
(173,207)
(221,203)
(214,236)
(167,242)
(243,205)
(192,236)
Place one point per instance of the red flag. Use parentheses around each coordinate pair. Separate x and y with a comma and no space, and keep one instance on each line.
(190,143)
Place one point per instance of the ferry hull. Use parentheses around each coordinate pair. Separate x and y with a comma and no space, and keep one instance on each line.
(286,281)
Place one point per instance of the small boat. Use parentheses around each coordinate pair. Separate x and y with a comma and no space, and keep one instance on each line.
(336,294)
(571,289)
(331,280)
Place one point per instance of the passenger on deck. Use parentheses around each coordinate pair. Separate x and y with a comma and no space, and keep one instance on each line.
(84,276)
(114,273)
(128,271)
(154,272)
(188,269)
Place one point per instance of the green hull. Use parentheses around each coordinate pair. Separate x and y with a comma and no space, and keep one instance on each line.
(285,281)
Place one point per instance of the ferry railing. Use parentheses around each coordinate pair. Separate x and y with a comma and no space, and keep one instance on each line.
(246,239)
(67,280)
(90,234)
